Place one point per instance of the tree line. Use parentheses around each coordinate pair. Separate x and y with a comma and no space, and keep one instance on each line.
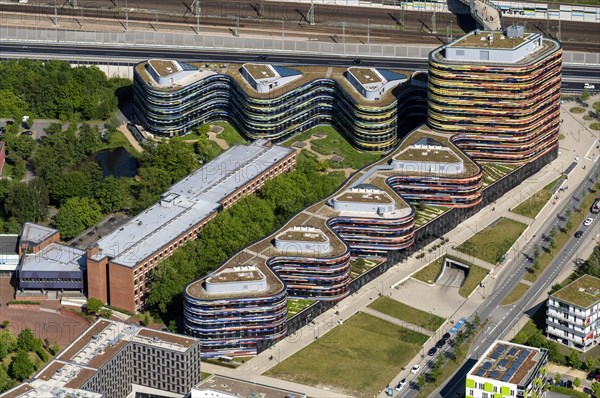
(55,90)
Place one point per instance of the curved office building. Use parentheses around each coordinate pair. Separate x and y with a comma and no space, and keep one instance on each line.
(273,102)
(233,308)
(498,94)
(429,169)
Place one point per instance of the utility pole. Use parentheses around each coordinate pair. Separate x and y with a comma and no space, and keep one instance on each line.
(311,13)
(368,32)
(548,23)
(237,26)
(558,36)
(344,36)
(402,14)
(126,16)
(261,9)
(196,11)
(55,14)
(282,32)
(433,19)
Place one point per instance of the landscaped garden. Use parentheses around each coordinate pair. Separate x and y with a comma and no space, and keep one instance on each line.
(430,273)
(492,243)
(358,358)
(407,313)
(474,278)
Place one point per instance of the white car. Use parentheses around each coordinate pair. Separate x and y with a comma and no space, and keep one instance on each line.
(589,86)
(415,369)
(401,384)
(588,222)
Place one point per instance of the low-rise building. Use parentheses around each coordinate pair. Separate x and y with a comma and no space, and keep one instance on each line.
(509,370)
(217,386)
(116,360)
(9,253)
(573,314)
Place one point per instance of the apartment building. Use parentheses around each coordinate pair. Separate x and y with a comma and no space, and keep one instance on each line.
(116,360)
(508,370)
(573,314)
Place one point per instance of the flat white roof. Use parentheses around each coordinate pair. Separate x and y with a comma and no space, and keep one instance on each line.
(36,233)
(188,202)
(55,257)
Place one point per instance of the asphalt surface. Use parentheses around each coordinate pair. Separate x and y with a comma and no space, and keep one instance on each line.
(503,318)
(574,77)
(385,25)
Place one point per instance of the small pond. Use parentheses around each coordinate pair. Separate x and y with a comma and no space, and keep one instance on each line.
(116,162)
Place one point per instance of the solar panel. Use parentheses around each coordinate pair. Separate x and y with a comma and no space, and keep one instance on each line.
(501,348)
(480,372)
(503,363)
(494,374)
(487,365)
(513,351)
(495,355)
(505,378)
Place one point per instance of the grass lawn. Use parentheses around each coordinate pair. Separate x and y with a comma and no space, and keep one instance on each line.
(359,357)
(430,272)
(117,139)
(475,276)
(561,237)
(595,126)
(335,144)
(493,242)
(406,313)
(297,305)
(426,213)
(229,134)
(531,206)
(515,294)
(576,109)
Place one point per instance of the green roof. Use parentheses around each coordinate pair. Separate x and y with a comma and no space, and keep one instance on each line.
(583,292)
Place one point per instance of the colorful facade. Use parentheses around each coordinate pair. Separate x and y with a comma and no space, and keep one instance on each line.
(273,102)
(498,96)
(509,370)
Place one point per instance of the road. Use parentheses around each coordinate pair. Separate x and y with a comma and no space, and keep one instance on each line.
(503,318)
(573,76)
(384,25)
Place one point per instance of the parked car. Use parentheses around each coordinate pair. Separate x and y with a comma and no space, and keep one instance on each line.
(589,86)
(440,343)
(415,369)
(446,336)
(432,351)
(357,61)
(28,132)
(401,384)
(588,222)
(263,57)
(578,234)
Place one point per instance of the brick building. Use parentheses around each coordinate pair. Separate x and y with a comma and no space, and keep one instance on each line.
(120,265)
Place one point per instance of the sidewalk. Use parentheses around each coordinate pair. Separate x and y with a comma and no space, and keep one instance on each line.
(396,321)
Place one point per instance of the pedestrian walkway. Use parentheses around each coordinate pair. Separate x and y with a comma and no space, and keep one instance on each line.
(396,321)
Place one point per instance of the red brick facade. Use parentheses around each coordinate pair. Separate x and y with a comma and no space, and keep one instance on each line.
(127,288)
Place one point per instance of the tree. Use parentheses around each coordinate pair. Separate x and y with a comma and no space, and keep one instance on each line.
(536,252)
(590,365)
(10,104)
(172,326)
(26,340)
(5,323)
(585,95)
(76,215)
(105,313)
(21,366)
(146,318)
(205,149)
(576,382)
(596,389)
(420,381)
(93,305)
(175,156)
(574,361)
(89,138)
(112,194)
(5,381)
(73,184)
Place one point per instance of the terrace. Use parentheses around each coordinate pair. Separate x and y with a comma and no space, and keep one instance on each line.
(164,67)
(498,40)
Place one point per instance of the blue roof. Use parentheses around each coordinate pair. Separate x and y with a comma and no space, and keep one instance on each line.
(389,75)
(285,72)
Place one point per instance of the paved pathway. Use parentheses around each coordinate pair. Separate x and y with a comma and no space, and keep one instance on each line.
(396,321)
(134,143)
(518,217)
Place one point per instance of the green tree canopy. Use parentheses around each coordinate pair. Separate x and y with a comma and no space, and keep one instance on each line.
(21,366)
(76,215)
(10,104)
(26,340)
(93,305)
(113,194)
(27,202)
